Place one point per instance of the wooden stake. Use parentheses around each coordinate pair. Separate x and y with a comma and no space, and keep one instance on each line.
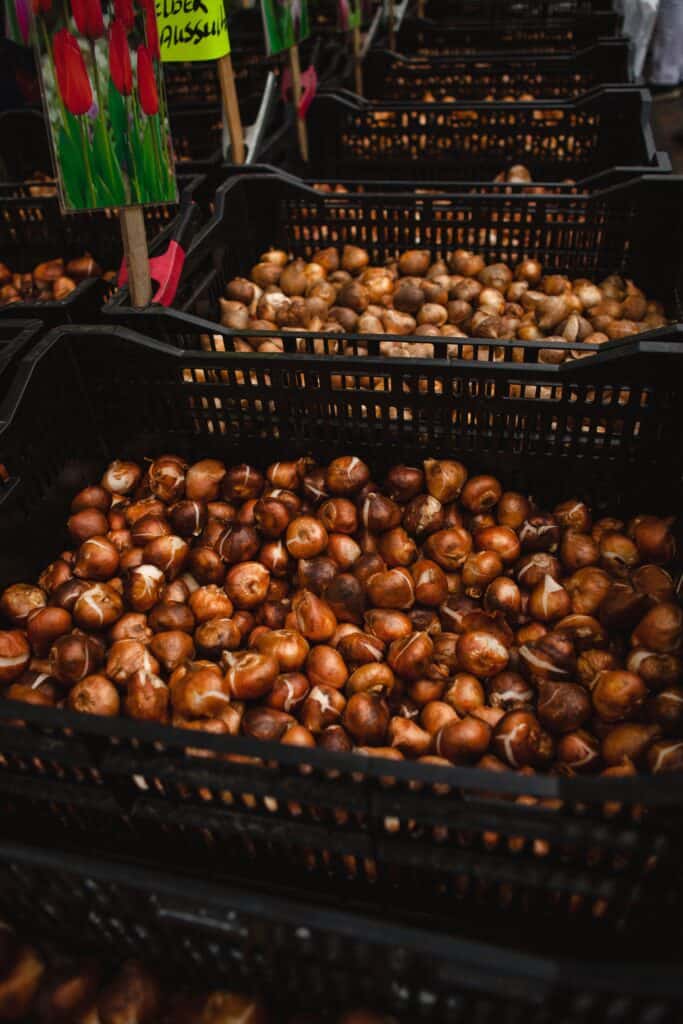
(137,259)
(226,77)
(392,30)
(295,68)
(358,62)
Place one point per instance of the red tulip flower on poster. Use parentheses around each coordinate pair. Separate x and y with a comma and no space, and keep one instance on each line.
(104,99)
(72,75)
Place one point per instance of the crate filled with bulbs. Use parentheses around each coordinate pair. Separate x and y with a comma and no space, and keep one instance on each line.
(434,139)
(494,76)
(62,269)
(429,640)
(283,267)
(112,943)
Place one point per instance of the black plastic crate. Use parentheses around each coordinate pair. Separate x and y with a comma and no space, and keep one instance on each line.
(15,337)
(553,33)
(495,10)
(556,139)
(635,229)
(497,76)
(33,229)
(300,956)
(599,428)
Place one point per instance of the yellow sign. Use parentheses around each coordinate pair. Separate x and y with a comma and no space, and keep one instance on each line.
(192,29)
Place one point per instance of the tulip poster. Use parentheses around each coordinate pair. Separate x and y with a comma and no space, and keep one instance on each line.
(103,94)
(286,23)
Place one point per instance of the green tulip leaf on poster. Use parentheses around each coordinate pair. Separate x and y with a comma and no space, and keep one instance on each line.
(285,23)
(350,15)
(102,84)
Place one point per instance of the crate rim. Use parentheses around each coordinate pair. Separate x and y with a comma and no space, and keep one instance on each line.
(657,789)
(549,56)
(647,977)
(353,101)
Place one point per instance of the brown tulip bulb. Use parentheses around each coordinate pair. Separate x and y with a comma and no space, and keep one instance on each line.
(172,648)
(126,657)
(289,692)
(358,648)
(618,554)
(343,550)
(74,657)
(618,695)
(423,515)
(142,587)
(92,497)
(213,636)
(188,518)
(371,678)
(98,607)
(323,708)
(435,714)
(539,533)
(346,475)
(503,595)
(246,584)
(242,483)
(591,662)
(198,690)
(562,707)
(387,624)
(404,483)
(346,598)
(410,656)
(44,626)
(655,669)
(464,693)
(532,569)
(378,513)
(147,697)
(290,649)
(482,654)
(203,480)
(210,602)
(169,553)
(552,656)
(463,741)
(338,515)
(316,573)
(573,515)
(366,718)
(314,618)
(21,600)
(166,476)
(500,539)
(628,742)
(326,667)
(238,543)
(549,601)
(266,724)
(509,691)
(481,494)
(519,740)
(121,477)
(431,585)
(15,654)
(171,615)
(665,756)
(587,588)
(622,607)
(131,626)
(654,540)
(391,589)
(445,479)
(407,736)
(579,751)
(512,510)
(653,581)
(660,629)
(94,695)
(449,548)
